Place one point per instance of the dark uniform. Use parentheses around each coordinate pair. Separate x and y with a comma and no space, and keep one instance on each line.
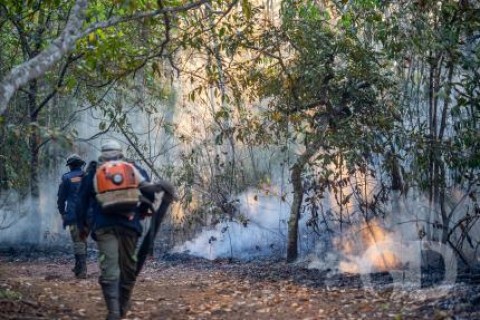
(116,236)
(66,202)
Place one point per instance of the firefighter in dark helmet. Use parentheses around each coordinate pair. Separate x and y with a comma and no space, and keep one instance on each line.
(111,190)
(66,201)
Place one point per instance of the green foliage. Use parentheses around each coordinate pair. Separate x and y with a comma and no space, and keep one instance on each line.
(441,39)
(7,294)
(335,79)
(349,79)
(44,111)
(359,79)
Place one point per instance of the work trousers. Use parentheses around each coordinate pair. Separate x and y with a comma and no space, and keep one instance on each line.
(79,245)
(116,249)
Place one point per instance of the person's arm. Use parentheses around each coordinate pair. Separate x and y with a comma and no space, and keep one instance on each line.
(62,196)
(140,173)
(144,179)
(84,199)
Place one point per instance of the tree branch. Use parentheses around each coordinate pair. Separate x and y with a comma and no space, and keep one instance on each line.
(140,15)
(39,64)
(62,45)
(58,85)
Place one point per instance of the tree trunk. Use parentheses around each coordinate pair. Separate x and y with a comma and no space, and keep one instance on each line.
(298,191)
(39,64)
(34,234)
(33,139)
(292,245)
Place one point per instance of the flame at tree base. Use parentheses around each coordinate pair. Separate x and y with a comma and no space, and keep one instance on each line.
(362,252)
(379,261)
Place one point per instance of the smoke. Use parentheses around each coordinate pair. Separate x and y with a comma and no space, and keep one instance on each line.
(13,211)
(35,221)
(32,221)
(259,231)
(399,240)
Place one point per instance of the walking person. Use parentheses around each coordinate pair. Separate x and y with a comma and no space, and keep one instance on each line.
(66,202)
(111,191)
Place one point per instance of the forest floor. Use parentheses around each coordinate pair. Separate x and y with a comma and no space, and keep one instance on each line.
(43,288)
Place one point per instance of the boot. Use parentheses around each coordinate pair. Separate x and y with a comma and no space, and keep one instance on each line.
(76,268)
(110,293)
(82,267)
(126,288)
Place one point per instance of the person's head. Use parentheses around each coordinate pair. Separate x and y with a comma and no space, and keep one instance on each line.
(74,161)
(111,150)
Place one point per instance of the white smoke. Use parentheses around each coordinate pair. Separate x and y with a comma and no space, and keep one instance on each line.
(32,221)
(263,234)
(13,212)
(383,243)
(396,240)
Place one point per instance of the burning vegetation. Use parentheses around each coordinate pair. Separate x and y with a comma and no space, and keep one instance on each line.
(369,242)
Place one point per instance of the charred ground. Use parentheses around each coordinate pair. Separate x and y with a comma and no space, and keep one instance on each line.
(39,285)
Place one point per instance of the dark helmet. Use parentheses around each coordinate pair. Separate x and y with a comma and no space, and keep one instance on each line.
(75,160)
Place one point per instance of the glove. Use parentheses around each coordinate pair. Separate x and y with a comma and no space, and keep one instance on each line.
(83,234)
(145,213)
(146,206)
(64,219)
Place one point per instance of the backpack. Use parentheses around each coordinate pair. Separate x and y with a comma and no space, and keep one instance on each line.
(117,188)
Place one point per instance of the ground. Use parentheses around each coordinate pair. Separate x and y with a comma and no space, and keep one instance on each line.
(43,288)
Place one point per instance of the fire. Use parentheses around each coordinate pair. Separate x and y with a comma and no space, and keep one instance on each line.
(383,260)
(368,250)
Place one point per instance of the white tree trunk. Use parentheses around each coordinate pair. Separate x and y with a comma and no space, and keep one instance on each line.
(38,65)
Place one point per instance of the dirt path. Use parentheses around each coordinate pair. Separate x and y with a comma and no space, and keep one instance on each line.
(214,290)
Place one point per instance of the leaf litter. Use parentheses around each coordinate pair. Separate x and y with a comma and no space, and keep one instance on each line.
(201,289)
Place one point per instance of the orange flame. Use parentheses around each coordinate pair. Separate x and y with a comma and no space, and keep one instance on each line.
(364,249)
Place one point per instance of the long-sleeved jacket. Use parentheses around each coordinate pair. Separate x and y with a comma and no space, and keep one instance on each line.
(67,195)
(89,211)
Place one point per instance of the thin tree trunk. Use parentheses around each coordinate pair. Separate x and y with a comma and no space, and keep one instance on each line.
(34,234)
(292,244)
(298,192)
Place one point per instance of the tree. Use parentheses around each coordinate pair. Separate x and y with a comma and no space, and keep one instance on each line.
(80,51)
(437,58)
(61,46)
(94,47)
